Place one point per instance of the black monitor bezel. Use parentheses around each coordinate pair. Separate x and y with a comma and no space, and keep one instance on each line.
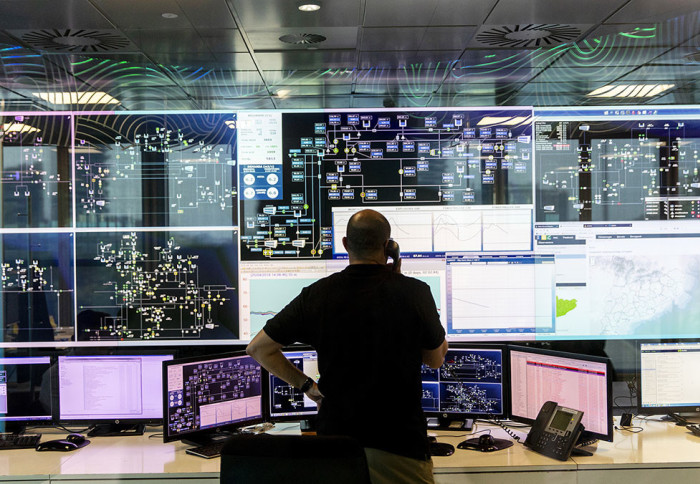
(102,421)
(36,422)
(267,392)
(505,388)
(587,434)
(192,435)
(665,410)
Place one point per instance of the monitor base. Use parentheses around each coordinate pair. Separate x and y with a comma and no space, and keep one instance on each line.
(116,430)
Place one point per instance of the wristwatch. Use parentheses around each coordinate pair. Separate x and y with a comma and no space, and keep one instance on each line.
(307,385)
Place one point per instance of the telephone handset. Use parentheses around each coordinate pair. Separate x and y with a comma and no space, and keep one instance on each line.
(555,431)
(392,250)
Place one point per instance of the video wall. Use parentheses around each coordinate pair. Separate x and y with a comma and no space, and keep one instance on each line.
(138,228)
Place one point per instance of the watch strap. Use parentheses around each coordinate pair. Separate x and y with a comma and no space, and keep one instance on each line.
(307,385)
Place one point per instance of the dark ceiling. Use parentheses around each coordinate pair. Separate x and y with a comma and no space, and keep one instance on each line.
(227,54)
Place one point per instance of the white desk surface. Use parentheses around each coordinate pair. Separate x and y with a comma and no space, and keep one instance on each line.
(660,445)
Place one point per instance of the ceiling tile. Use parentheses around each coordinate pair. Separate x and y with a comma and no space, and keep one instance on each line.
(336,38)
(580,56)
(446,38)
(307,60)
(568,74)
(667,73)
(136,14)
(50,14)
(238,103)
(396,13)
(272,14)
(167,41)
(396,38)
(514,12)
(208,14)
(217,77)
(438,61)
(223,40)
(462,12)
(653,11)
(159,105)
(234,61)
(318,77)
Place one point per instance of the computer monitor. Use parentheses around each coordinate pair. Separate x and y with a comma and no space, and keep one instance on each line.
(468,385)
(576,381)
(25,391)
(288,403)
(119,394)
(669,380)
(205,396)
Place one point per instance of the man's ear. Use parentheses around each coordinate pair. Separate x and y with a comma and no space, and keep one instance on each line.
(345,244)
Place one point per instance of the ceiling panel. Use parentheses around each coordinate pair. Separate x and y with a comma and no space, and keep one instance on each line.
(668,73)
(653,11)
(218,77)
(293,90)
(318,77)
(208,14)
(136,14)
(570,74)
(51,14)
(397,38)
(168,41)
(584,57)
(462,12)
(308,60)
(238,103)
(223,40)
(393,13)
(446,38)
(414,60)
(272,14)
(336,38)
(507,12)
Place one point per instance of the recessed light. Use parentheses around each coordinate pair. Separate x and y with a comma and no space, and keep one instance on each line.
(95,97)
(309,6)
(169,15)
(283,93)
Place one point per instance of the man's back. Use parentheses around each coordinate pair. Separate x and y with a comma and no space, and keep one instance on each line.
(368,325)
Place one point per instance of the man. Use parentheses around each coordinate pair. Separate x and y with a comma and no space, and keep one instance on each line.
(372,328)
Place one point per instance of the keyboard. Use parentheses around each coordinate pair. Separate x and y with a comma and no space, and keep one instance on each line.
(17,441)
(208,451)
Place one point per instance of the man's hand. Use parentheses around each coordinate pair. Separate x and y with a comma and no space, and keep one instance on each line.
(395,266)
(315,394)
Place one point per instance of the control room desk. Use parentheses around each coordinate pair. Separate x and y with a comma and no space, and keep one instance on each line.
(662,453)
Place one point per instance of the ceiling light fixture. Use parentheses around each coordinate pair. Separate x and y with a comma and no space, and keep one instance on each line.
(309,6)
(96,97)
(283,93)
(169,15)
(630,90)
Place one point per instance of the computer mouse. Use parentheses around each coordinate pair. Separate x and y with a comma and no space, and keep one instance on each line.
(77,439)
(441,449)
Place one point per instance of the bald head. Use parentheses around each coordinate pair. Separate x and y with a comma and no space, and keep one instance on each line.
(367,233)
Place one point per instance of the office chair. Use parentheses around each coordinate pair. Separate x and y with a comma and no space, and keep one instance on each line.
(293,459)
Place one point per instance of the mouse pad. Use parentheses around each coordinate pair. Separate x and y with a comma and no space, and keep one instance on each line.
(473,444)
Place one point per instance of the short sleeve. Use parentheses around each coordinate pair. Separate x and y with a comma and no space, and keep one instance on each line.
(286,327)
(433,334)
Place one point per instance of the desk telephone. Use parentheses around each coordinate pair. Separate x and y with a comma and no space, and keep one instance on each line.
(555,431)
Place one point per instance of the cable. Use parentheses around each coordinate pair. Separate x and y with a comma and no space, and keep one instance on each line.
(493,419)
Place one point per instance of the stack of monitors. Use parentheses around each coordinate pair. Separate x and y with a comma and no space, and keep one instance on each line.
(195,227)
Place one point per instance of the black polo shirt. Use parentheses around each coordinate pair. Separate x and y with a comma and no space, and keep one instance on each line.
(368,326)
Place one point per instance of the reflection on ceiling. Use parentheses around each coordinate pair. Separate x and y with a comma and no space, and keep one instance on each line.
(252,54)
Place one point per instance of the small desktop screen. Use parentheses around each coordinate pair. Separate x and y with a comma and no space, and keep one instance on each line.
(669,378)
(124,387)
(205,394)
(25,389)
(287,402)
(576,381)
(469,383)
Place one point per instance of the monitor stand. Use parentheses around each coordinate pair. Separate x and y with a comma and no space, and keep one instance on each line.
(208,438)
(450,423)
(116,430)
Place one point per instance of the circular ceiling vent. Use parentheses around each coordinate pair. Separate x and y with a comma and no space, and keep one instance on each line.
(531,35)
(302,39)
(75,40)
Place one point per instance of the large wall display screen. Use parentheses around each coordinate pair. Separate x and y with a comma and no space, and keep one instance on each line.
(138,228)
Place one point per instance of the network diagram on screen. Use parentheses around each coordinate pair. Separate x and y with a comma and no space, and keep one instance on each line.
(196,227)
